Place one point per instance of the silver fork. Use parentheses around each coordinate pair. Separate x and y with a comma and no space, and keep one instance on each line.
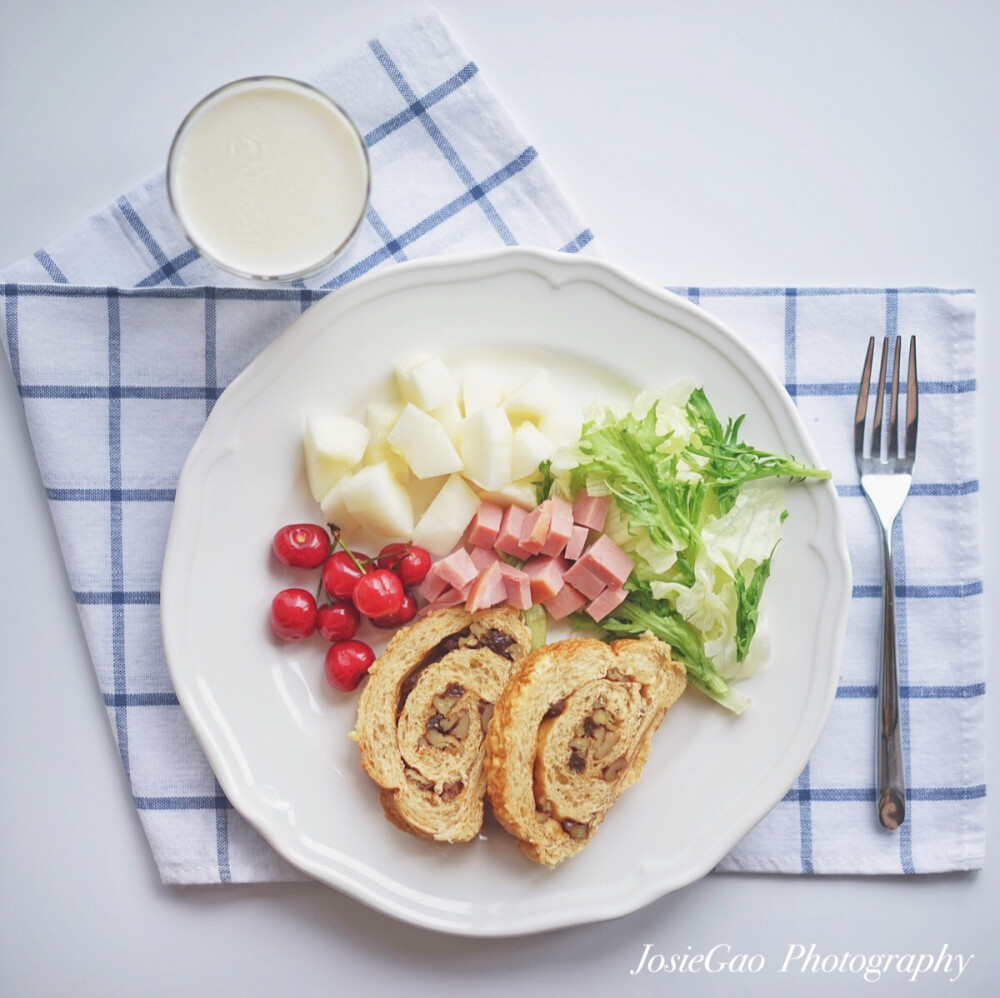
(885,480)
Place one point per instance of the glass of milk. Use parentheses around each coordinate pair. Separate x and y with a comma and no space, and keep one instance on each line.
(269,178)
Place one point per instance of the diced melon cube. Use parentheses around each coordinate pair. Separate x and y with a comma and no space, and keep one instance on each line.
(450,512)
(379,502)
(334,508)
(562,424)
(481,389)
(423,443)
(486,447)
(423,490)
(532,399)
(426,382)
(520,493)
(449,416)
(528,449)
(380,417)
(403,369)
(332,446)
(397,465)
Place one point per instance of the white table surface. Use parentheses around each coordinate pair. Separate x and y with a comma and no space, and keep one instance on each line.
(713,142)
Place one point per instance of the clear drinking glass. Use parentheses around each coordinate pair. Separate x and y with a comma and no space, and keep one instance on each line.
(269,179)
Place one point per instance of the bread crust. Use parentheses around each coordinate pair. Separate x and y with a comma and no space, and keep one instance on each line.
(571,731)
(423,713)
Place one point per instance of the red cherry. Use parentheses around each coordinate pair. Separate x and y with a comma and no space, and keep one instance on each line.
(346,662)
(406,612)
(301,545)
(378,593)
(409,562)
(341,573)
(293,614)
(337,621)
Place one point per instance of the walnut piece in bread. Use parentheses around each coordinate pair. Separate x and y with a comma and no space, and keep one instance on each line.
(570,732)
(424,713)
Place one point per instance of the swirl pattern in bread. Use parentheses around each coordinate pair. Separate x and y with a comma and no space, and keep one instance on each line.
(424,713)
(570,732)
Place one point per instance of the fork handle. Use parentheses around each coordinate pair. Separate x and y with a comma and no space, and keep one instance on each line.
(890,783)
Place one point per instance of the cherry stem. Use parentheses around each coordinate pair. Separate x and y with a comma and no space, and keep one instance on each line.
(335,531)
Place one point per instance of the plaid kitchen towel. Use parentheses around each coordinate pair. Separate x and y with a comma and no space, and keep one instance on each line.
(121,338)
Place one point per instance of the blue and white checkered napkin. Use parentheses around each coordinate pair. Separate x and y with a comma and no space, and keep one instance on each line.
(121,338)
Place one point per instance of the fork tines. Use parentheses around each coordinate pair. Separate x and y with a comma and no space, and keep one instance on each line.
(910,426)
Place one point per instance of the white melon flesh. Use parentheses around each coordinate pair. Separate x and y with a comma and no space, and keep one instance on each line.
(403,370)
(380,417)
(423,443)
(562,424)
(528,449)
(334,508)
(486,447)
(332,446)
(480,390)
(450,512)
(520,493)
(422,492)
(427,382)
(534,399)
(449,416)
(380,504)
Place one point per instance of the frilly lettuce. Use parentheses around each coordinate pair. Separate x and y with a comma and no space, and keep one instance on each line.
(692,508)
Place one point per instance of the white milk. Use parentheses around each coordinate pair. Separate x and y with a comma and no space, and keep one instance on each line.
(269,178)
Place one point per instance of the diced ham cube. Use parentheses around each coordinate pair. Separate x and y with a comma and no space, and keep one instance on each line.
(535,528)
(509,538)
(488,590)
(432,586)
(450,597)
(608,561)
(577,541)
(568,600)
(485,525)
(606,602)
(546,575)
(458,569)
(518,585)
(482,558)
(581,575)
(560,527)
(591,511)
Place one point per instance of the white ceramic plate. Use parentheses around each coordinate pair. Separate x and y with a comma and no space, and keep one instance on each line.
(276,735)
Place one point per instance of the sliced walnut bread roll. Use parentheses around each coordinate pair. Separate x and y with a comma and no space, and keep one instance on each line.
(570,732)
(423,716)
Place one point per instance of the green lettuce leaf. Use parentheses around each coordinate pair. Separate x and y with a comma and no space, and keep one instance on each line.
(700,512)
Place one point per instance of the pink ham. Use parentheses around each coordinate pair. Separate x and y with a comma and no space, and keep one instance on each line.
(488,590)
(591,511)
(518,585)
(581,575)
(606,602)
(482,558)
(450,597)
(509,538)
(432,586)
(607,561)
(458,569)
(560,526)
(485,525)
(568,600)
(535,529)
(577,541)
(546,575)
